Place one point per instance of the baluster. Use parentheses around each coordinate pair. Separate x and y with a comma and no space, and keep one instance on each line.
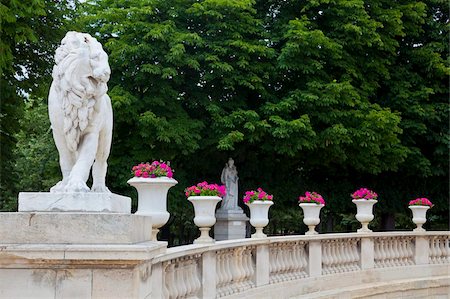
(173,293)
(305,258)
(348,251)
(220,272)
(325,256)
(338,253)
(342,256)
(410,252)
(391,252)
(376,252)
(250,265)
(197,282)
(284,263)
(403,252)
(240,259)
(229,269)
(336,256)
(332,257)
(354,257)
(395,244)
(181,277)
(219,269)
(383,252)
(396,252)
(293,261)
(236,268)
(447,250)
(278,263)
(290,262)
(166,281)
(244,266)
(192,275)
(443,250)
(436,250)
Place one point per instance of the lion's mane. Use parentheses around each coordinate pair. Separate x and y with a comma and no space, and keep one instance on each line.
(75,84)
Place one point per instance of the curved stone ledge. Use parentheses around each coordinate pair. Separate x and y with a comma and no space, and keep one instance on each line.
(351,265)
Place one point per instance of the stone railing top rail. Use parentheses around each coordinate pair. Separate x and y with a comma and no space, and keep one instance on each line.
(191,249)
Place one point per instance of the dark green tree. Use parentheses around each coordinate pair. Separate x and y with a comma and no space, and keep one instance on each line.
(30,32)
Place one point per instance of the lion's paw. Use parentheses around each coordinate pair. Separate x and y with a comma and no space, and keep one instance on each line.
(76,186)
(100,189)
(58,188)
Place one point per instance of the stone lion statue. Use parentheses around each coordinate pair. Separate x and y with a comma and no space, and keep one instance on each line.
(80,112)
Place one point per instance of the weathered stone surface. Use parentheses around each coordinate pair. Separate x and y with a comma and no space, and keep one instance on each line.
(230,225)
(77,228)
(77,271)
(85,202)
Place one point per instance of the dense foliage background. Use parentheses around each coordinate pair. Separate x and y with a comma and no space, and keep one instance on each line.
(305,95)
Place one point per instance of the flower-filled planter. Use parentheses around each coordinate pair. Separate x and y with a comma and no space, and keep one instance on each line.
(419,208)
(259,203)
(311,204)
(205,197)
(364,199)
(152,182)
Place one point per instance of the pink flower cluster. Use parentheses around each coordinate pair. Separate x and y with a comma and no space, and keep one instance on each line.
(153,170)
(259,194)
(421,202)
(364,193)
(205,189)
(312,197)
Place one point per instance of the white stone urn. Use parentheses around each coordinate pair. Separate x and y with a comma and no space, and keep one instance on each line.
(205,216)
(259,216)
(364,213)
(152,199)
(419,216)
(311,216)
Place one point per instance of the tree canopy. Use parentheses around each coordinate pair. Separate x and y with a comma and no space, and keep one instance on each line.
(319,95)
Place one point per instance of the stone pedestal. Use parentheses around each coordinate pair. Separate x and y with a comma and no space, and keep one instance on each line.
(74,228)
(230,225)
(74,202)
(76,245)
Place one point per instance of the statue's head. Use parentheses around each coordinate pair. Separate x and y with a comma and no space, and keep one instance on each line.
(230,162)
(82,56)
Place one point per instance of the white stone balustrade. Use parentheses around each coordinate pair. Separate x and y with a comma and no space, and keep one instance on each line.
(287,261)
(340,255)
(439,250)
(389,264)
(394,251)
(248,267)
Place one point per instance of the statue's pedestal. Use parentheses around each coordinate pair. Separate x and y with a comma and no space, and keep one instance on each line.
(74,228)
(230,225)
(88,202)
(78,245)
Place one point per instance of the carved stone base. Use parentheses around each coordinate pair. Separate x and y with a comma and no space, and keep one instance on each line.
(230,225)
(74,228)
(89,202)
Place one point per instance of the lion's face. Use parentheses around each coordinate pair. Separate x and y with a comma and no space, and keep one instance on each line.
(82,56)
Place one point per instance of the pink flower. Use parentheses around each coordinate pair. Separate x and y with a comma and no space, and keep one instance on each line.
(259,194)
(312,197)
(421,202)
(364,193)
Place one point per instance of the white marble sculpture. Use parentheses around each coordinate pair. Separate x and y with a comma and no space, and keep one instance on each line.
(230,179)
(80,112)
